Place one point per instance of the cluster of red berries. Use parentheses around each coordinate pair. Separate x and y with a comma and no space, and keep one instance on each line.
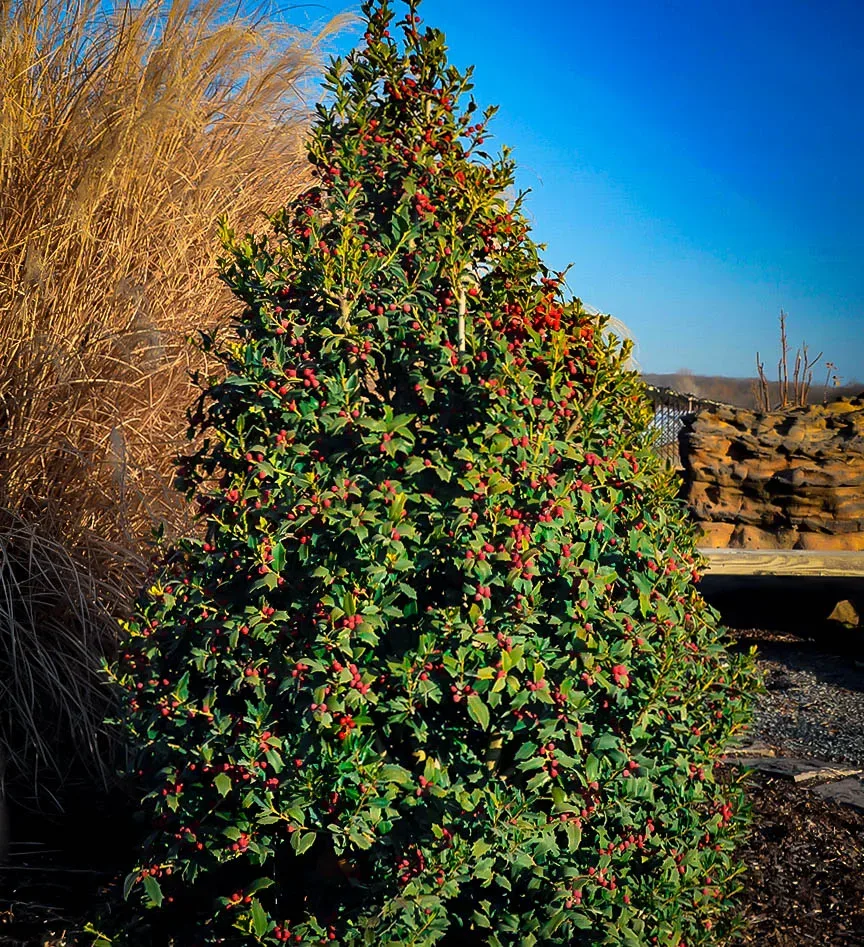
(483,592)
(411,865)
(241,844)
(283,933)
(347,723)
(604,879)
(550,764)
(575,898)
(356,678)
(459,692)
(428,667)
(485,550)
(155,871)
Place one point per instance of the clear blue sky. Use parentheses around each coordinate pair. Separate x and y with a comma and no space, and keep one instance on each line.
(699,162)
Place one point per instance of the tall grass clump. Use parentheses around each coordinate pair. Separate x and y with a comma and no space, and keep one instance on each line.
(124,132)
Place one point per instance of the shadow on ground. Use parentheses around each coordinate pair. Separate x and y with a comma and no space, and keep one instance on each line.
(797,605)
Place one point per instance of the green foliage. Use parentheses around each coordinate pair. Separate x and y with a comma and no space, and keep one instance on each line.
(440,671)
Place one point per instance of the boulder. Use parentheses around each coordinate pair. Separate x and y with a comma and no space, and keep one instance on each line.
(830,542)
(845,613)
(715,535)
(790,479)
(751,537)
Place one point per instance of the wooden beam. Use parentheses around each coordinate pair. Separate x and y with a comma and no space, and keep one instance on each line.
(783,562)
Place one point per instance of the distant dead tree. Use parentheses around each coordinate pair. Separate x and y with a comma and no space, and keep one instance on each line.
(831,378)
(802,376)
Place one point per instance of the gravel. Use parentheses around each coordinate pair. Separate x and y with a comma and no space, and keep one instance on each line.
(814,701)
(804,879)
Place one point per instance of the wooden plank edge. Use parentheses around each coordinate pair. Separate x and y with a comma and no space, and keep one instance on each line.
(783,562)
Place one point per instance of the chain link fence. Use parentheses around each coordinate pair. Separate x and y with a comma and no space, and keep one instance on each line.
(670,409)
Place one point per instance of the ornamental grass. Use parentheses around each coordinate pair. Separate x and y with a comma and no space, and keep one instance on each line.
(124,132)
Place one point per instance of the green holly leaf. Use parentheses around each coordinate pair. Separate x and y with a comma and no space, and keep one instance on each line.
(360,839)
(274,760)
(154,890)
(478,710)
(391,773)
(300,842)
(260,919)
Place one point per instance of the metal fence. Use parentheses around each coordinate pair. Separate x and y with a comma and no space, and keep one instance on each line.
(670,409)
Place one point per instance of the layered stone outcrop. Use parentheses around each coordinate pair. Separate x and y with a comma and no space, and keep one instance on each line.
(790,479)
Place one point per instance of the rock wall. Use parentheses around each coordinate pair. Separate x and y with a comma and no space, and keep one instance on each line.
(790,479)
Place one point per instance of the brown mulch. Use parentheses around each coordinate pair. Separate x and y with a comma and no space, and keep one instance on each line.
(804,882)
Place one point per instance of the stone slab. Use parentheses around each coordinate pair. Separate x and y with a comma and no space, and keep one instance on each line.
(799,771)
(845,792)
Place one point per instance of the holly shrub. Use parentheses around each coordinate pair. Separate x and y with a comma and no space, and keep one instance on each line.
(439,671)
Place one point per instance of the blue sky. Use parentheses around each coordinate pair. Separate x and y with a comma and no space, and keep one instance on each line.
(699,162)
